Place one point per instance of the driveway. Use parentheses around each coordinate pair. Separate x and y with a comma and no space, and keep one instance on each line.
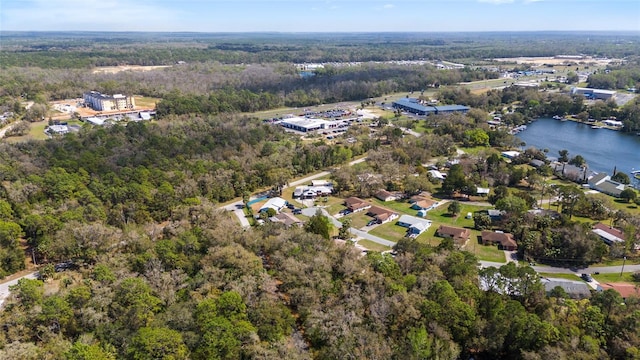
(4,287)
(4,130)
(358,233)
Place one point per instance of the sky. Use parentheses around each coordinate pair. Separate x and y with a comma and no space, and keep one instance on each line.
(319,15)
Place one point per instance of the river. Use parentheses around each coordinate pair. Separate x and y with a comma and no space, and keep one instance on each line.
(603,149)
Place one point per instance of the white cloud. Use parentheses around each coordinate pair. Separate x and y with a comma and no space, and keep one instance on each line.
(388,6)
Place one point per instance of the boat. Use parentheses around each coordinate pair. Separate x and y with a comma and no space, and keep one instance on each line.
(596,127)
(557,117)
(636,174)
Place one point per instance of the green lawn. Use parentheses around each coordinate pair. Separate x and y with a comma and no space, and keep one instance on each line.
(335,208)
(561,276)
(441,215)
(617,262)
(147,102)
(477,149)
(370,245)
(358,220)
(401,207)
(389,231)
(615,277)
(486,252)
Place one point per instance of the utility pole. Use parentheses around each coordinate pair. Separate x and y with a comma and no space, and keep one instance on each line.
(624,259)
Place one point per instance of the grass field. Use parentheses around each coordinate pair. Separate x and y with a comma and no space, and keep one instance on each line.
(359,220)
(440,215)
(561,276)
(401,207)
(615,277)
(36,131)
(146,102)
(370,245)
(617,262)
(485,252)
(389,231)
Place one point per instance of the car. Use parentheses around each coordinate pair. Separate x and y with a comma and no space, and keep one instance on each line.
(297,211)
(372,222)
(345,212)
(65,265)
(290,206)
(586,277)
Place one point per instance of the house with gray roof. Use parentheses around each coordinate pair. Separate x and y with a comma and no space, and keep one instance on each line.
(415,225)
(602,182)
(575,289)
(608,234)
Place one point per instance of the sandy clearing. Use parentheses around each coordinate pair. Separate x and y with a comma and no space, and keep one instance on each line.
(554,61)
(117,69)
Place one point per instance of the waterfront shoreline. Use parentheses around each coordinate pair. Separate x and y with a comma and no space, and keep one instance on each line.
(603,150)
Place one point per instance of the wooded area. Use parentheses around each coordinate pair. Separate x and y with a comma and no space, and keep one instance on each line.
(155,269)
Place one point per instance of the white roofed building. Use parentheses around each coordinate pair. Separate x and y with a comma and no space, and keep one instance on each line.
(415,225)
(305,124)
(276,203)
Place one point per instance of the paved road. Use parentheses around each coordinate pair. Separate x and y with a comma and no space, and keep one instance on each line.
(358,233)
(410,132)
(4,130)
(559,270)
(236,206)
(4,287)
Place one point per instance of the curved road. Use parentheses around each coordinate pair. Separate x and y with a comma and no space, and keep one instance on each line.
(237,205)
(4,287)
(559,270)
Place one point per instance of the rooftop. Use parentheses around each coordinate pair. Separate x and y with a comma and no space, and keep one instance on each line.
(414,103)
(453,231)
(305,122)
(608,233)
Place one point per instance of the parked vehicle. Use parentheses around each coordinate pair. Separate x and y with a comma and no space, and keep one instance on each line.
(586,277)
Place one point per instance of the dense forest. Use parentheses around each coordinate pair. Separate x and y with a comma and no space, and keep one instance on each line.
(138,260)
(84,50)
(159,272)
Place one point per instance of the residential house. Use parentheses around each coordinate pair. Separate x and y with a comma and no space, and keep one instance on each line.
(385,195)
(602,182)
(608,234)
(495,214)
(510,154)
(311,192)
(382,215)
(575,289)
(326,183)
(625,290)
(57,130)
(356,204)
(287,219)
(437,175)
(424,204)
(276,203)
(574,173)
(459,235)
(415,225)
(536,163)
(504,240)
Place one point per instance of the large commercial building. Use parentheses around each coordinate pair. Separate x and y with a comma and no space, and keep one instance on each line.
(414,106)
(305,124)
(102,102)
(593,94)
